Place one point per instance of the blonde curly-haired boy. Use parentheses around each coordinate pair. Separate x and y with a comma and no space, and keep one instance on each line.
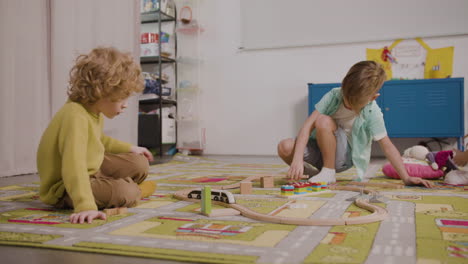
(79,166)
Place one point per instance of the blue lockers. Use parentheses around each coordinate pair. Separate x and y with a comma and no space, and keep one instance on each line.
(415,108)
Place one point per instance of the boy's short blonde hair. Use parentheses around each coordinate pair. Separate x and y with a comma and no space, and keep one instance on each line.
(362,81)
(104,73)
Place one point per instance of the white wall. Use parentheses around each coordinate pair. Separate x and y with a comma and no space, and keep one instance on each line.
(253,99)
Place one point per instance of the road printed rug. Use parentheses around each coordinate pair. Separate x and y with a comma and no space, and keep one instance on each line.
(423,226)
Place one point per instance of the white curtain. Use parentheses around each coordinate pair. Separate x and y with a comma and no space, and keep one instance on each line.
(81,25)
(24,84)
(39,40)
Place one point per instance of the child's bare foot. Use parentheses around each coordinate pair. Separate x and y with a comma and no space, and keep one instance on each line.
(147,188)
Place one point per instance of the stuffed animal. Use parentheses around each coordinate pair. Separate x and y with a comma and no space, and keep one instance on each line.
(421,153)
(420,162)
(416,152)
(457,177)
(442,160)
(416,164)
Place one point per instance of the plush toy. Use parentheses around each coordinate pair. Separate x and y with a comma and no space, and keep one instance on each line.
(421,153)
(442,159)
(457,177)
(416,164)
(416,152)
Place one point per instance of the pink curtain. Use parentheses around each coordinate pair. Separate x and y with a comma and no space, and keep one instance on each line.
(24,83)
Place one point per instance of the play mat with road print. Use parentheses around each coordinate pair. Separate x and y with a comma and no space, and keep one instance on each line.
(422,226)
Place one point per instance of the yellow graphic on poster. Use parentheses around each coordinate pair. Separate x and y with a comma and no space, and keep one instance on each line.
(438,62)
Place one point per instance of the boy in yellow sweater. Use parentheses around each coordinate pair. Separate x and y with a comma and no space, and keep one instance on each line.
(79,166)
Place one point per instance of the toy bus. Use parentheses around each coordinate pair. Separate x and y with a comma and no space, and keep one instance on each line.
(216,195)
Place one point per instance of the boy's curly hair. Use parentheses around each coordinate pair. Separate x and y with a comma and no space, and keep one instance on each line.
(363,79)
(104,73)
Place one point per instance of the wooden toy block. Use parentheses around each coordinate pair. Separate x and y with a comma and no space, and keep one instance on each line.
(267,182)
(115,211)
(111,211)
(246,187)
(122,210)
(302,195)
(221,212)
(287,190)
(206,200)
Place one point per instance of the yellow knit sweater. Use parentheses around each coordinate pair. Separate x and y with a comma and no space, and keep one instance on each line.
(71,149)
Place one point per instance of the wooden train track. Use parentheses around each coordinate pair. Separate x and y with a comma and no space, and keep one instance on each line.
(378,213)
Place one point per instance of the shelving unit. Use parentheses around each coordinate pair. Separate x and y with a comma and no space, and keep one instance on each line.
(190,133)
(156,59)
(155,17)
(153,120)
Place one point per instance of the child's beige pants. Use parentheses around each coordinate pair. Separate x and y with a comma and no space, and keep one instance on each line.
(116,182)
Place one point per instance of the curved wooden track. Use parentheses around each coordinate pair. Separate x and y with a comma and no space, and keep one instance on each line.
(378,213)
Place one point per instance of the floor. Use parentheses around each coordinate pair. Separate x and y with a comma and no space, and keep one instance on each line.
(14,255)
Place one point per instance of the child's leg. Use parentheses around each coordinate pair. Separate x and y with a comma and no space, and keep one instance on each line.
(343,159)
(286,150)
(108,192)
(116,184)
(326,140)
(123,174)
(125,165)
(311,155)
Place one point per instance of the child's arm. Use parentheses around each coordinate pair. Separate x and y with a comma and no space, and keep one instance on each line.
(116,146)
(142,151)
(297,165)
(393,155)
(113,145)
(73,151)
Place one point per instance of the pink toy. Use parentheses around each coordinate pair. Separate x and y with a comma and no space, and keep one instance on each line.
(421,163)
(415,168)
(442,159)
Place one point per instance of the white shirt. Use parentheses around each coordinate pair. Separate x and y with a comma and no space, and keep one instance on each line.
(344,118)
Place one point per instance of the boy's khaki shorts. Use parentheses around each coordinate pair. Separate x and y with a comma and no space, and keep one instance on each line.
(343,161)
(116,182)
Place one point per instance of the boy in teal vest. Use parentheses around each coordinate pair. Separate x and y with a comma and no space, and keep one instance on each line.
(339,133)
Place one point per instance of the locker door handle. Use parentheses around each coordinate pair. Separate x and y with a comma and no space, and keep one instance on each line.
(387,109)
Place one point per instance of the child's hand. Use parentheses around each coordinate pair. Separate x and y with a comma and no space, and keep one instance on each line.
(418,181)
(296,170)
(142,151)
(81,217)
